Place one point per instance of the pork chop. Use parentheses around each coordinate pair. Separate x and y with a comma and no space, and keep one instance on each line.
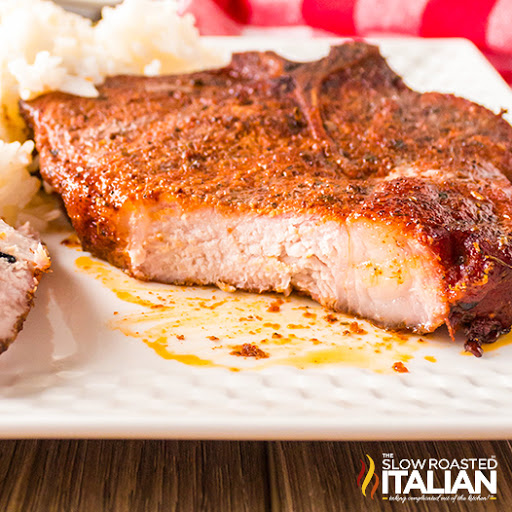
(23,259)
(330,177)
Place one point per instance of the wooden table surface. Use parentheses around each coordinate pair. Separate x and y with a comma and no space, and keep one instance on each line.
(132,476)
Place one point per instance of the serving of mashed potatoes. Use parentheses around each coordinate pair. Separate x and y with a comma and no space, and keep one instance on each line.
(45,48)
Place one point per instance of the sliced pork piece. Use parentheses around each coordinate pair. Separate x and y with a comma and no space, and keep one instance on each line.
(330,177)
(23,259)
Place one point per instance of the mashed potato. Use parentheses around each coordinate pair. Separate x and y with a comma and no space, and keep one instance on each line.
(45,48)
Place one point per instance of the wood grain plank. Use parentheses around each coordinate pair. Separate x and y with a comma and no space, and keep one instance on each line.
(58,476)
(321,476)
(88,476)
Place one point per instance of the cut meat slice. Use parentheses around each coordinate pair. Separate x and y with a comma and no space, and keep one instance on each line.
(23,259)
(330,177)
(364,267)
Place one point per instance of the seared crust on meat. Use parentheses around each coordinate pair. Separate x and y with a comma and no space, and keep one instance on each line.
(342,139)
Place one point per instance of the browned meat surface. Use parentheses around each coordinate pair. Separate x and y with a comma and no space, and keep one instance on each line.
(23,259)
(330,177)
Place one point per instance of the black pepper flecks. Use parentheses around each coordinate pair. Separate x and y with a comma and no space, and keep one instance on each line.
(8,257)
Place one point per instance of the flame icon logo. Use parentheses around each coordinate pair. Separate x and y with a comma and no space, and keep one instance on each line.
(368,478)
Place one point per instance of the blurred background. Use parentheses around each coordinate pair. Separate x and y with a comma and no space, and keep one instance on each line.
(485,22)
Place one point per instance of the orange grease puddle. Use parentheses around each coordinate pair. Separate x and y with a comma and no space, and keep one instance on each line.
(161,348)
(200,326)
(499,343)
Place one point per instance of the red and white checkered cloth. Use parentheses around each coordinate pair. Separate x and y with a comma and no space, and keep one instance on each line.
(488,23)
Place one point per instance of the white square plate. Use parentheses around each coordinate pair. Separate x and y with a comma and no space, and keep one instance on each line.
(85,364)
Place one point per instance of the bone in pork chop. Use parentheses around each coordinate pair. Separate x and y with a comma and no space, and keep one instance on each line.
(330,177)
(23,259)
